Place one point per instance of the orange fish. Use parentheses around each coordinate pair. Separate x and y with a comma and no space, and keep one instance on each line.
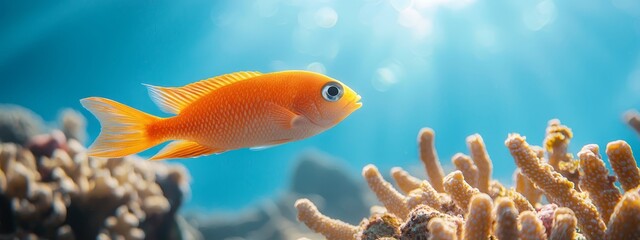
(232,111)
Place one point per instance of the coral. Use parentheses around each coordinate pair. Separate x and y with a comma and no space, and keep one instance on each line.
(380,226)
(464,212)
(482,161)
(478,220)
(623,164)
(405,182)
(417,226)
(556,143)
(392,199)
(557,188)
(50,189)
(632,118)
(459,190)
(596,181)
(531,227)
(506,219)
(526,187)
(625,221)
(330,228)
(465,165)
(564,224)
(429,157)
(545,214)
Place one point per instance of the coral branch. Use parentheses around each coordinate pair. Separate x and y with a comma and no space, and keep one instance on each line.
(556,143)
(564,224)
(425,194)
(459,190)
(467,167)
(623,164)
(405,181)
(526,187)
(557,188)
(596,181)
(429,158)
(531,227)
(482,161)
(330,228)
(389,196)
(478,221)
(506,217)
(625,221)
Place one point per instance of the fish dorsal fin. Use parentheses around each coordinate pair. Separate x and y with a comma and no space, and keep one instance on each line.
(174,99)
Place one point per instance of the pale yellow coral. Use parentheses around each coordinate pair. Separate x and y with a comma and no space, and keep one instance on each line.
(556,143)
(564,224)
(424,194)
(558,189)
(531,227)
(459,190)
(623,164)
(478,221)
(441,229)
(481,159)
(330,228)
(596,181)
(526,187)
(389,196)
(429,158)
(506,219)
(625,220)
(469,170)
(404,180)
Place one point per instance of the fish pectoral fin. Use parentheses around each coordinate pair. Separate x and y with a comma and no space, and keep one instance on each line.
(284,117)
(183,149)
(270,145)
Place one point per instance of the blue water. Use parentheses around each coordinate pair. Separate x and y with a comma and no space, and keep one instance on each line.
(458,66)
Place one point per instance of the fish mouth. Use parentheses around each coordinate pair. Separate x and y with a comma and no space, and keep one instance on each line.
(354,104)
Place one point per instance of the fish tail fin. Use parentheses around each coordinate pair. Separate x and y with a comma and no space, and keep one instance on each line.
(124,129)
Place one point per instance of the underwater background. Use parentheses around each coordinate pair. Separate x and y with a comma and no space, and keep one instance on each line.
(457,66)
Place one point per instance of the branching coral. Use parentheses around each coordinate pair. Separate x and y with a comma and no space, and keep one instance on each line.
(464,212)
(557,143)
(506,219)
(557,188)
(625,221)
(564,224)
(596,181)
(531,227)
(482,161)
(429,157)
(465,165)
(330,228)
(479,219)
(623,164)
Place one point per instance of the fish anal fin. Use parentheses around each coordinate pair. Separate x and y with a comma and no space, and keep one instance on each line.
(284,117)
(174,99)
(270,145)
(183,149)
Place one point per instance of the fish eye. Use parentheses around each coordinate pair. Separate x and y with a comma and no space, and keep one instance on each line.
(332,91)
